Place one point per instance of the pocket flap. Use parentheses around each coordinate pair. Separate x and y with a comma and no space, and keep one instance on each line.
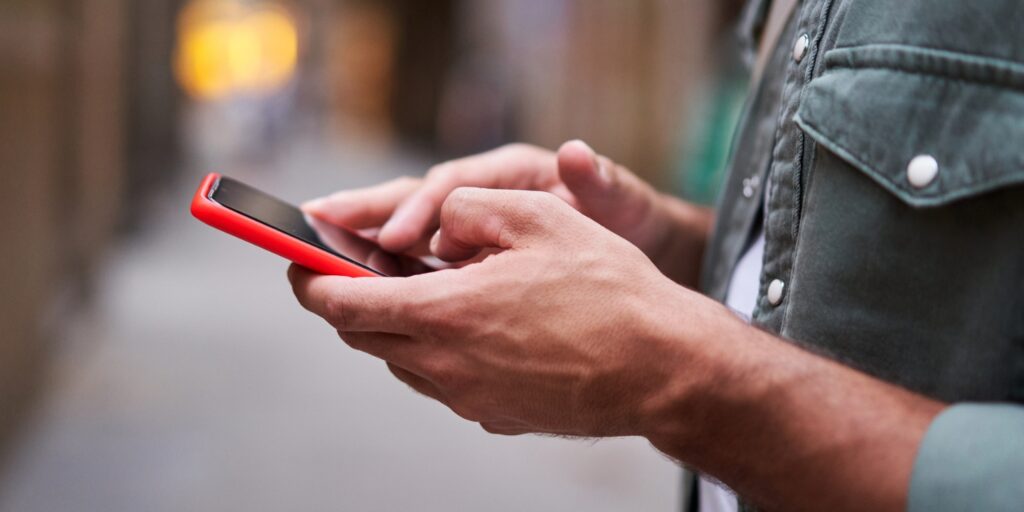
(879,119)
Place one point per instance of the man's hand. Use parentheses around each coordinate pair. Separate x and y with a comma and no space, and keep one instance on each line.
(568,329)
(407,211)
(540,337)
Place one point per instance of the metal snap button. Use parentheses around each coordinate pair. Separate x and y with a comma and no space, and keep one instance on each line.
(775,290)
(922,171)
(800,48)
(750,186)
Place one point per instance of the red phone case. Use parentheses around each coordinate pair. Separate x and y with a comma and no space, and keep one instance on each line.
(261,235)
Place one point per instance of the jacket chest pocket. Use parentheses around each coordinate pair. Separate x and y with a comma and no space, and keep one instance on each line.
(910,260)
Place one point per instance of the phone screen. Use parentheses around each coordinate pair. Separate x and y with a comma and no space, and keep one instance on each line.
(288,219)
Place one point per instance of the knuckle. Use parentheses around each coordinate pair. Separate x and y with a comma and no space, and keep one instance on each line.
(462,195)
(500,429)
(455,204)
(397,372)
(353,340)
(491,428)
(466,412)
(535,205)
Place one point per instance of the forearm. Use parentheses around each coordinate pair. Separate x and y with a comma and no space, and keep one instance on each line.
(788,429)
(682,237)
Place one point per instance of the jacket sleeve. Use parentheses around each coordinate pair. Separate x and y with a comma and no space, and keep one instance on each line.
(972,458)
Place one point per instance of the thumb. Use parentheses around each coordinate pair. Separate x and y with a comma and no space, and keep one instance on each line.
(473,219)
(608,193)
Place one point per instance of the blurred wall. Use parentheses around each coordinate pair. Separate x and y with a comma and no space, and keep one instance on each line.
(150,103)
(388,65)
(30,73)
(627,70)
(62,165)
(617,74)
(458,77)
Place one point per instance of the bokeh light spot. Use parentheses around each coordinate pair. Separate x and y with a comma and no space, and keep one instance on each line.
(228,47)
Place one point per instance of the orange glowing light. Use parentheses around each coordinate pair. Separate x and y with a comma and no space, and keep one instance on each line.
(231,47)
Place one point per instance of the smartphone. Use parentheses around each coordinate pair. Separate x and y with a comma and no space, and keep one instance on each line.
(272,224)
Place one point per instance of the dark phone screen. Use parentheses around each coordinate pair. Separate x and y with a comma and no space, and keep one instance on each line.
(277,214)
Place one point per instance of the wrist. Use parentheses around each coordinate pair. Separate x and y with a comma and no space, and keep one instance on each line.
(720,377)
(784,428)
(689,364)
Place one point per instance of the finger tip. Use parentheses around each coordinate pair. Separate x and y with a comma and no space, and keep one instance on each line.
(313,206)
(578,164)
(577,149)
(330,209)
(577,145)
(393,238)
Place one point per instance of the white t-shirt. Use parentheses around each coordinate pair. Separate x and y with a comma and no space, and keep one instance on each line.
(742,299)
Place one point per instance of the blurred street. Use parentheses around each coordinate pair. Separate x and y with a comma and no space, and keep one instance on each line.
(194,381)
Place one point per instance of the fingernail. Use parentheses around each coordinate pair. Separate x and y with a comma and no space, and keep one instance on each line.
(435,242)
(602,171)
(593,154)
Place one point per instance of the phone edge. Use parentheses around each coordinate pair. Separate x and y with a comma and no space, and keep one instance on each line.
(219,217)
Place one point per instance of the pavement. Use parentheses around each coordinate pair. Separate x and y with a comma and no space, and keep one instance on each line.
(194,382)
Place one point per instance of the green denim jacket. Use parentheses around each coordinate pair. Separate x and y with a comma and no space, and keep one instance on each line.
(908,274)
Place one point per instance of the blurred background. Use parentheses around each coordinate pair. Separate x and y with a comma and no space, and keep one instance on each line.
(148,362)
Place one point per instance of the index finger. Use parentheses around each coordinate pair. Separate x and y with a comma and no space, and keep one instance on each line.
(363,208)
(370,304)
(510,167)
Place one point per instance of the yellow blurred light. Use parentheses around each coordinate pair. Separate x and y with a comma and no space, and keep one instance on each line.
(227,47)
